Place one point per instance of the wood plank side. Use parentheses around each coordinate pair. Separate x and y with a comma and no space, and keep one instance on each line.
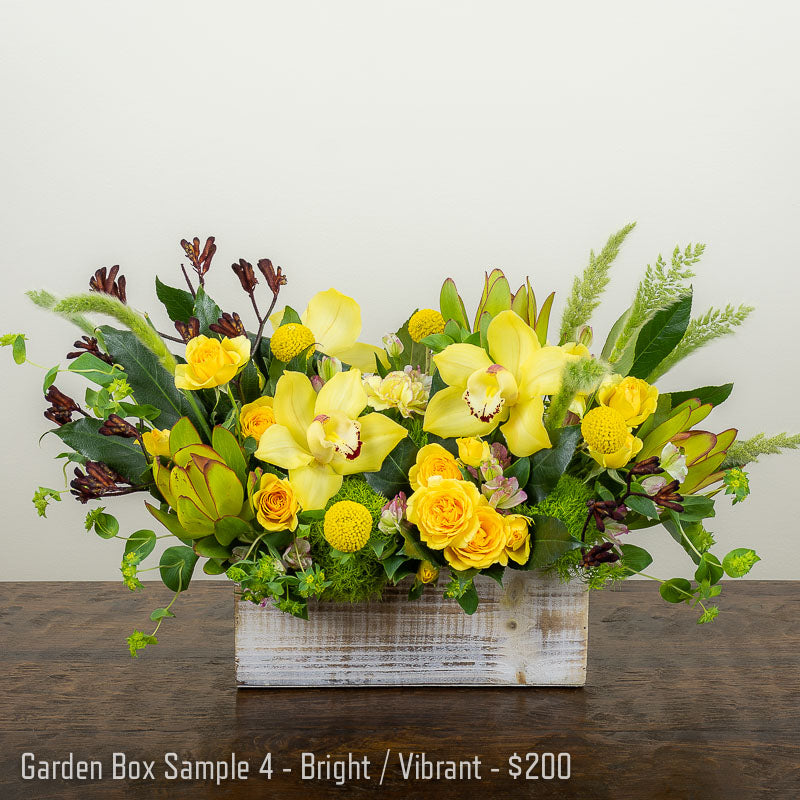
(531,633)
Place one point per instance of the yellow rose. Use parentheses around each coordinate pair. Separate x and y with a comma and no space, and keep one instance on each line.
(210,362)
(432,460)
(634,398)
(518,544)
(275,504)
(256,417)
(445,511)
(156,442)
(427,572)
(473,451)
(620,457)
(486,547)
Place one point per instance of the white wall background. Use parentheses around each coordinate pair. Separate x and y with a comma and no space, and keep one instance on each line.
(379,147)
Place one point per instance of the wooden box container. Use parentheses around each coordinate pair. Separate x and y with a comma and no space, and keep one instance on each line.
(533,632)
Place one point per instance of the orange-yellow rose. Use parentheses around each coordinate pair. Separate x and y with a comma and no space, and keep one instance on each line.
(518,544)
(275,504)
(432,460)
(486,547)
(156,442)
(256,417)
(634,398)
(210,362)
(445,511)
(473,451)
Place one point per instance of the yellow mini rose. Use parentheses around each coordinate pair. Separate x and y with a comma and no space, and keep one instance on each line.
(256,417)
(518,544)
(473,451)
(156,442)
(275,504)
(445,511)
(619,458)
(432,460)
(634,398)
(210,362)
(486,547)
(427,572)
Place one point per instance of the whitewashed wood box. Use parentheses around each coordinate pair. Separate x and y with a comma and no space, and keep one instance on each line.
(532,632)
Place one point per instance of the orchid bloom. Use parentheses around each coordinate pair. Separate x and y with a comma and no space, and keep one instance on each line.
(505,387)
(319,437)
(335,321)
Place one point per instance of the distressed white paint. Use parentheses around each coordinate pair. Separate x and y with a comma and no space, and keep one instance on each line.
(532,633)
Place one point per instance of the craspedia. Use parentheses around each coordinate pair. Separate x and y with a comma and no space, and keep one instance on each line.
(604,430)
(347,526)
(425,322)
(290,340)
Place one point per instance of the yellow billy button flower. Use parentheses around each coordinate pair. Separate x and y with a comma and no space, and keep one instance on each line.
(432,460)
(634,398)
(334,322)
(319,437)
(290,340)
(156,442)
(518,544)
(610,443)
(445,511)
(275,504)
(347,526)
(210,362)
(256,417)
(505,387)
(486,547)
(425,322)
(473,451)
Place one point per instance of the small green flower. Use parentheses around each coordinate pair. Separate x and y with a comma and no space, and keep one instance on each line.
(138,640)
(92,517)
(119,389)
(42,497)
(708,614)
(129,570)
(737,483)
(236,574)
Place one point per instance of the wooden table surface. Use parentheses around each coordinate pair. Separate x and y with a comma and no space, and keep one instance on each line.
(670,710)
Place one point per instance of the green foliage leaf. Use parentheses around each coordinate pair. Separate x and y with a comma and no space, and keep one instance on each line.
(469,600)
(392,566)
(250,382)
(224,442)
(229,528)
(739,562)
(178,302)
(161,613)
(642,505)
(211,548)
(94,369)
(141,543)
(106,526)
(635,558)
(123,455)
(393,474)
(495,572)
(614,333)
(183,434)
(660,336)
(451,305)
(437,342)
(18,350)
(716,395)
(214,566)
(151,383)
(50,378)
(176,567)
(547,466)
(696,508)
(676,590)
(551,539)
(521,470)
(290,316)
(206,311)
(709,569)
(147,412)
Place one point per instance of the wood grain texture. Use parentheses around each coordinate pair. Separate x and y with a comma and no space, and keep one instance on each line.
(530,633)
(670,710)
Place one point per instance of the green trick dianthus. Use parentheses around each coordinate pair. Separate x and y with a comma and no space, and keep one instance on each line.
(566,502)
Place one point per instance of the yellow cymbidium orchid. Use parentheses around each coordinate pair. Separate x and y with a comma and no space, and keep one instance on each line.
(505,387)
(319,438)
(335,321)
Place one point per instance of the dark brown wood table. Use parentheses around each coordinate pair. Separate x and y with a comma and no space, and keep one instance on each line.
(670,709)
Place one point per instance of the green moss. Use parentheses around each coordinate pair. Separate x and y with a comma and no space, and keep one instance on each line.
(362,576)
(566,502)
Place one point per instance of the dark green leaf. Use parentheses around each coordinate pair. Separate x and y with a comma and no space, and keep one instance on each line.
(123,455)
(106,526)
(392,564)
(676,590)
(206,311)
(96,370)
(176,567)
(495,572)
(521,470)
(642,505)
(696,508)
(50,378)
(469,600)
(249,383)
(140,412)
(178,302)
(229,528)
(214,566)
(151,383)
(547,466)
(709,569)
(635,558)
(660,336)
(706,394)
(393,474)
(141,543)
(290,316)
(551,539)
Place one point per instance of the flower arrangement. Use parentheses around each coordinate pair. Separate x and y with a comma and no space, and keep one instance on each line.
(307,464)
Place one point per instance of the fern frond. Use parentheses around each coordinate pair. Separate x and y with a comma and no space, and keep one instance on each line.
(748,450)
(588,287)
(714,324)
(661,286)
